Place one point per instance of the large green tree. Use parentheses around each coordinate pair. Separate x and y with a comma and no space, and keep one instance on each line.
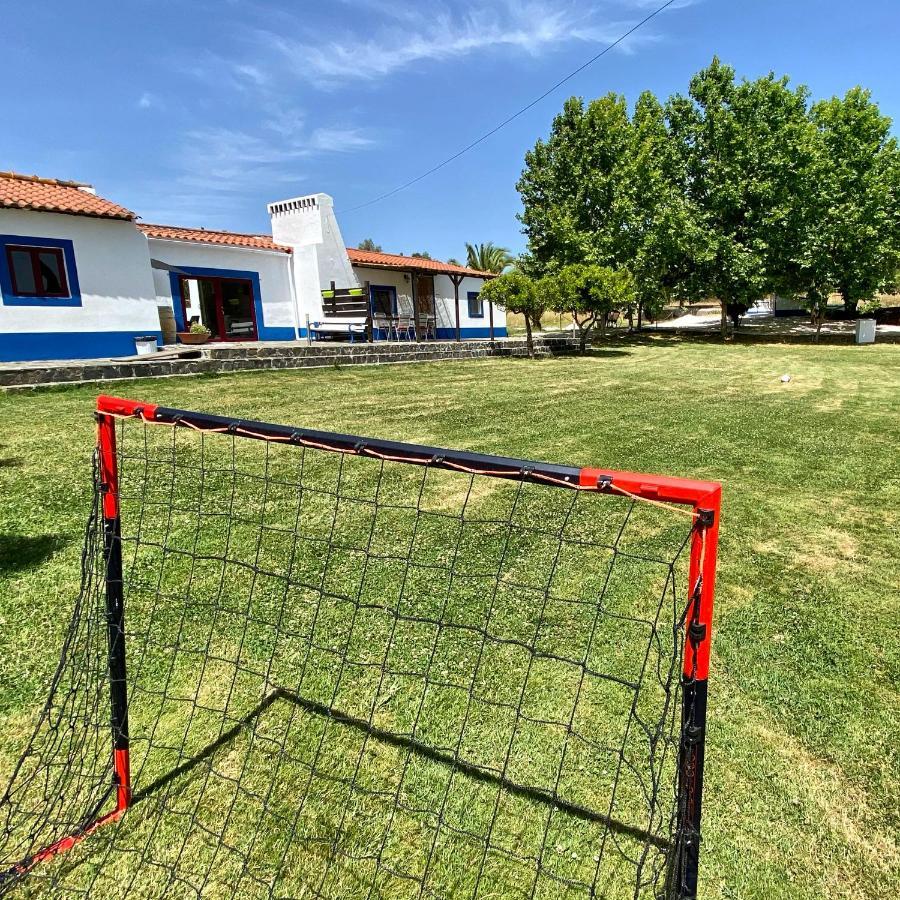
(861,227)
(662,237)
(723,137)
(576,206)
(729,192)
(608,189)
(516,293)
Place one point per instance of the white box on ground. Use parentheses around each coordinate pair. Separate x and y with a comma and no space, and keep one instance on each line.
(865,331)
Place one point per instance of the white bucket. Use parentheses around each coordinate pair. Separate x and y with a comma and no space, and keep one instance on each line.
(145,345)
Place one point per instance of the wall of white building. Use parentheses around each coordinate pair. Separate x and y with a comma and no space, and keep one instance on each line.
(116,292)
(276,315)
(445,313)
(112,274)
(308,226)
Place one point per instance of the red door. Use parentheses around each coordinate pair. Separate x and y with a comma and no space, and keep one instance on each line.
(224,305)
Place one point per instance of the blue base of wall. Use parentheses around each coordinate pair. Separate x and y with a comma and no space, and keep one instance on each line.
(70,344)
(278,333)
(449,334)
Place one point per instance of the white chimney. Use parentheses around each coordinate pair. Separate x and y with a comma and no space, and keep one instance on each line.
(308,226)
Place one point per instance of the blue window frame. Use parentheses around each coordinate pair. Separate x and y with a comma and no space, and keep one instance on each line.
(383,299)
(31,278)
(476,305)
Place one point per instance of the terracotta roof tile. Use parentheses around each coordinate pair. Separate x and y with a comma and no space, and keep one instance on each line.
(395,261)
(51,195)
(205,236)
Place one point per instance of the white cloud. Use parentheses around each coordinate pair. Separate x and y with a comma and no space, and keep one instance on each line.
(436,34)
(339,140)
(216,169)
(148,100)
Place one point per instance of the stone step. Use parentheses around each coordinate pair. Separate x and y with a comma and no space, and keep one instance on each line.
(247,358)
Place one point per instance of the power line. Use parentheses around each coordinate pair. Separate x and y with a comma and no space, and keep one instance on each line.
(514,116)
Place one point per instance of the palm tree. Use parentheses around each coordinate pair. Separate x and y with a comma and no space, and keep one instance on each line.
(488,257)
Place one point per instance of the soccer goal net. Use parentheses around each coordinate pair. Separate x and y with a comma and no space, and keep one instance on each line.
(306,664)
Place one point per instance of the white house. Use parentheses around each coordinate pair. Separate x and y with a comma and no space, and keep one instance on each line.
(75,275)
(81,277)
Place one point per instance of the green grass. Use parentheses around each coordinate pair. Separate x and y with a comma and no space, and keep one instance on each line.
(803,768)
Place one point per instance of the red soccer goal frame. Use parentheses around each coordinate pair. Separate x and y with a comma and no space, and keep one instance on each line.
(702,497)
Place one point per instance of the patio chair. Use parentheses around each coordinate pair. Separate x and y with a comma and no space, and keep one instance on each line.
(428,327)
(404,328)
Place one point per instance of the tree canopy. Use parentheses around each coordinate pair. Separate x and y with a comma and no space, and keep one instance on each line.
(589,292)
(731,191)
(488,257)
(370,245)
(516,293)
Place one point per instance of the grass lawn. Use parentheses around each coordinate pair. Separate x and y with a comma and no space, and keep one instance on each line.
(803,760)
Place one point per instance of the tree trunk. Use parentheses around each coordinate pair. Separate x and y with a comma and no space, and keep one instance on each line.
(723,324)
(630,319)
(582,338)
(529,341)
(640,314)
(851,306)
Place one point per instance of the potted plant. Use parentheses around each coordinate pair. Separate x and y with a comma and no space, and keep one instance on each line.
(198,333)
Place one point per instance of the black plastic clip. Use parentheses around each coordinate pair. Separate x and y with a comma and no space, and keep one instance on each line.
(526,471)
(692,734)
(296,437)
(359,446)
(233,427)
(706,517)
(604,482)
(697,633)
(437,459)
(138,412)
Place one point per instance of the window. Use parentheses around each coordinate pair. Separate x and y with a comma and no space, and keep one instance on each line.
(37,271)
(476,305)
(384,300)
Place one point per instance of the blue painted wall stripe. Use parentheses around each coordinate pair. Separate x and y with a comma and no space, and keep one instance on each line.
(449,334)
(70,344)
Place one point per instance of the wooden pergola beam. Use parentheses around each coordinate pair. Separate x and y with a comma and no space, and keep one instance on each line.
(413,275)
(457,281)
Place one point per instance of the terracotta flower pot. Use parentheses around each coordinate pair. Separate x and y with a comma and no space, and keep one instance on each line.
(191,337)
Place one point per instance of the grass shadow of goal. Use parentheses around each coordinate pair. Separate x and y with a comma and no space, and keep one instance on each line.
(403,742)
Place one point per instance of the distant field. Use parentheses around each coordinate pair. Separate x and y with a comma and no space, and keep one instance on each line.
(803,763)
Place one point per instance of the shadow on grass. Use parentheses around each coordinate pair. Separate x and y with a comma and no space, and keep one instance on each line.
(19,552)
(423,750)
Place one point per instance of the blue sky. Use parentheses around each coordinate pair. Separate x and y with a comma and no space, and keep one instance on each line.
(198,112)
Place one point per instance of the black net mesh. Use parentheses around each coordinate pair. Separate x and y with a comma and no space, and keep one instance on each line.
(354,677)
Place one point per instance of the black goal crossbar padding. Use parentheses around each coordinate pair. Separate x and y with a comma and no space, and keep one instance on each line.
(436,457)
